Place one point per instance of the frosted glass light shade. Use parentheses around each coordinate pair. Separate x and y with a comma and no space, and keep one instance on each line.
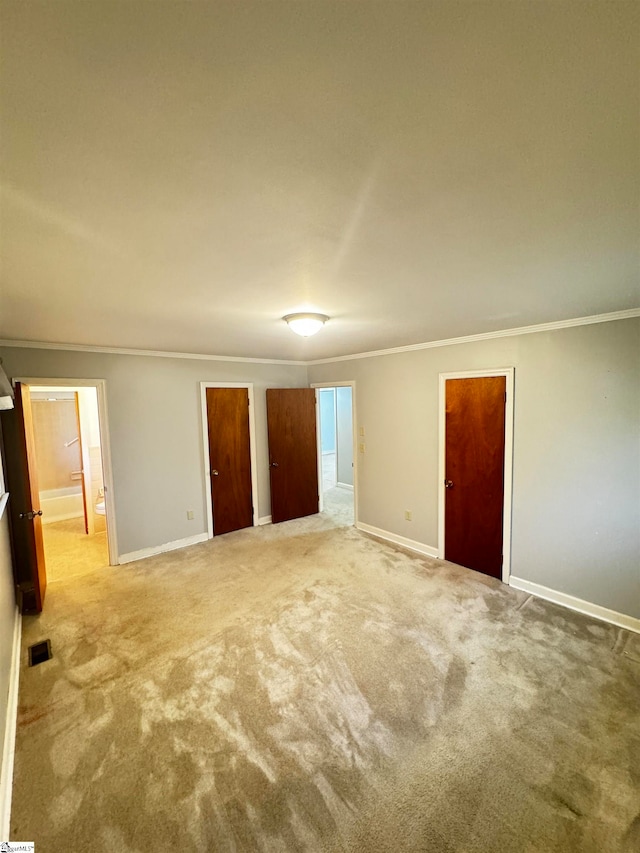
(305,324)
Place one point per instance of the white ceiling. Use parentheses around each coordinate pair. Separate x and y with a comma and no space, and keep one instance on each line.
(178,176)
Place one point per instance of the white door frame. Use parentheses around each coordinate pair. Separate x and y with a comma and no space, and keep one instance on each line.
(205,448)
(508,373)
(348,384)
(105,448)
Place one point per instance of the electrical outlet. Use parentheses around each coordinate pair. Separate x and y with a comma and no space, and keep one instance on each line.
(361,447)
(362,432)
(190,515)
(407,515)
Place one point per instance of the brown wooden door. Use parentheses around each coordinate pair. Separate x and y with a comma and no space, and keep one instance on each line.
(230,458)
(474,472)
(293,453)
(24,501)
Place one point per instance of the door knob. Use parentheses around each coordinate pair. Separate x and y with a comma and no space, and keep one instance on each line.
(31,514)
(214,472)
(448,484)
(274,464)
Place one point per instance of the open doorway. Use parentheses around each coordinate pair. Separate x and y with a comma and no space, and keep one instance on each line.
(70,477)
(335,452)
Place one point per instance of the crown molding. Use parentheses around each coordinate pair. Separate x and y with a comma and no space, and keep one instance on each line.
(448,342)
(487,336)
(145,352)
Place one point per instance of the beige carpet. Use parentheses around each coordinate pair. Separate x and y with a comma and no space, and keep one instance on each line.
(69,552)
(338,505)
(303,687)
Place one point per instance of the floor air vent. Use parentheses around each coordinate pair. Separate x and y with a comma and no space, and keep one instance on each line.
(39,652)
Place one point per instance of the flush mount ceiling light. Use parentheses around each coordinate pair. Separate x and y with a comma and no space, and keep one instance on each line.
(305,324)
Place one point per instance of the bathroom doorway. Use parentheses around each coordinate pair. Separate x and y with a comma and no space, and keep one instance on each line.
(336,464)
(70,476)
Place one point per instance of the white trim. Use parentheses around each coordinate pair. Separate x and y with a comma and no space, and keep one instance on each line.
(105,447)
(411,544)
(630,623)
(9,744)
(198,356)
(107,473)
(265,519)
(319,465)
(344,486)
(63,516)
(3,504)
(143,553)
(508,373)
(487,336)
(482,336)
(205,448)
(347,383)
(89,510)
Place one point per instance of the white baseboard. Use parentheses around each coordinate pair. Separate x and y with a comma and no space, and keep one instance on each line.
(265,519)
(411,544)
(344,486)
(9,745)
(586,607)
(161,549)
(62,516)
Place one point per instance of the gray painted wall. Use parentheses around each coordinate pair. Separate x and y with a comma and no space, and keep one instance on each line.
(576,497)
(327,420)
(155,429)
(576,488)
(344,421)
(7,621)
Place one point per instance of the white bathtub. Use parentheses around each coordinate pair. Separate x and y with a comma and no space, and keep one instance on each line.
(61,504)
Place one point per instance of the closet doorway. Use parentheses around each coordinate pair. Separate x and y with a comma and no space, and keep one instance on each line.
(229,456)
(476,470)
(336,445)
